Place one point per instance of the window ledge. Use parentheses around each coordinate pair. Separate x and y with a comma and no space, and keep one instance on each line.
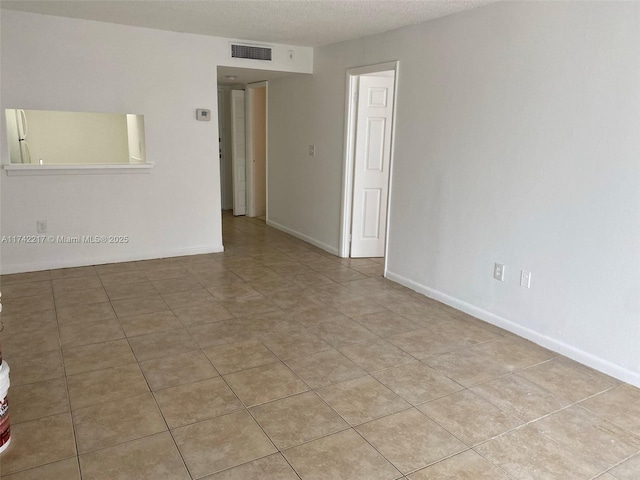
(18,169)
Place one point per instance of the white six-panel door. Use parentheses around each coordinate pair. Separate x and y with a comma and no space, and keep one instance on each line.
(238,152)
(372,158)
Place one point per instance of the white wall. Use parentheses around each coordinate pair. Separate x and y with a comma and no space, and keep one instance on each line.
(517,141)
(51,63)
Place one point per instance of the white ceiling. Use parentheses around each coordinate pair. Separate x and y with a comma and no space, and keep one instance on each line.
(295,22)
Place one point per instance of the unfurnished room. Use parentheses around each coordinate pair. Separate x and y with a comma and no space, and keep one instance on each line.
(319,240)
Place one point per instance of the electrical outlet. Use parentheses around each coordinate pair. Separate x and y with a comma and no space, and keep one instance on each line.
(498,272)
(41,226)
(525,279)
(312,150)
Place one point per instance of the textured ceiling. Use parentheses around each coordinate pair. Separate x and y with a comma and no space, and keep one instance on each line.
(294,22)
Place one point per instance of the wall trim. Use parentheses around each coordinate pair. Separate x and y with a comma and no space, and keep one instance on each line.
(597,363)
(317,243)
(102,259)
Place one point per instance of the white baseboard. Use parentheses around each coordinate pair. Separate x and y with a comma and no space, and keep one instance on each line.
(600,364)
(302,236)
(8,268)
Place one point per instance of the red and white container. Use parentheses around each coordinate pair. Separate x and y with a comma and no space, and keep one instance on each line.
(5,430)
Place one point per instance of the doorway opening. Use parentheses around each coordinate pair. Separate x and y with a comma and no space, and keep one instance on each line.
(369,131)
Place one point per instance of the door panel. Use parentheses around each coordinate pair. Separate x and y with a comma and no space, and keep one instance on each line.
(371,170)
(238,152)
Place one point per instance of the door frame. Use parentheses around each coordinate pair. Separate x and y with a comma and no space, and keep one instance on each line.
(250,174)
(353,75)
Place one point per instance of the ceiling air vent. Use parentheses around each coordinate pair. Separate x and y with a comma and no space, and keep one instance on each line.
(250,52)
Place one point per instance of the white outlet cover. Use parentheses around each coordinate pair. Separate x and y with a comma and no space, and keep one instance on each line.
(525,279)
(498,272)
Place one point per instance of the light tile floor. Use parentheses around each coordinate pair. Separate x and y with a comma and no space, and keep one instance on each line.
(278,361)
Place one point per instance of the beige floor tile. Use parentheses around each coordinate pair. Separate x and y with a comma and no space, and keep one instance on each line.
(123,278)
(24,343)
(27,289)
(279,291)
(343,274)
(417,382)
(85,313)
(151,458)
(76,283)
(294,344)
(298,419)
(222,442)
(588,435)
(264,384)
(569,379)
(28,322)
(527,454)
(520,397)
(242,307)
(197,296)
(165,272)
(163,344)
(324,368)
(62,470)
(202,313)
(378,355)
(356,306)
(342,333)
(289,298)
(514,353)
(176,284)
(310,313)
(104,386)
(410,440)
(291,268)
(232,292)
(39,442)
(139,306)
(149,323)
(234,357)
(99,356)
(35,303)
(273,467)
(469,417)
(88,333)
(256,274)
(362,400)
(110,268)
(25,277)
(37,400)
(128,418)
(370,270)
(71,298)
(219,333)
(73,272)
(179,369)
(123,291)
(464,466)
(214,279)
(194,402)
(627,470)
(620,405)
(385,324)
(36,367)
(309,280)
(467,366)
(343,455)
